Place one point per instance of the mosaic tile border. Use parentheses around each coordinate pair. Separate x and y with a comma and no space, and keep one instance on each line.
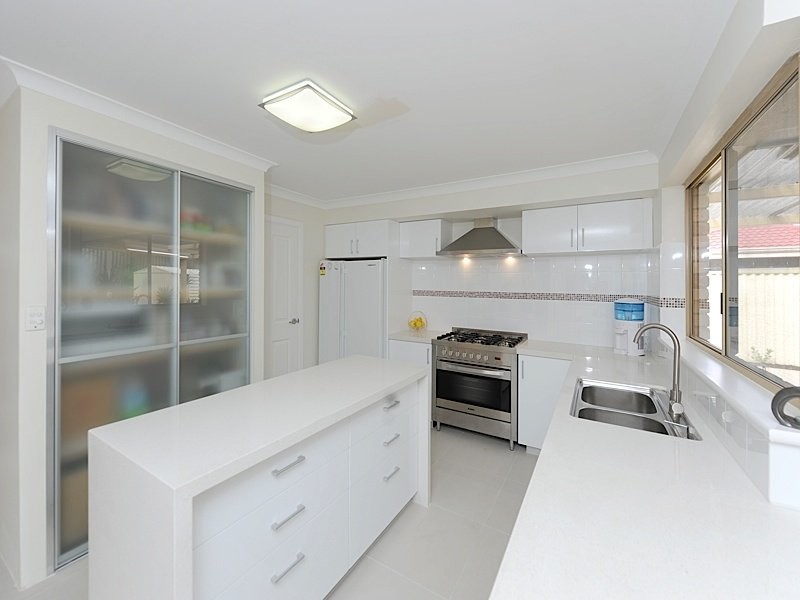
(665,302)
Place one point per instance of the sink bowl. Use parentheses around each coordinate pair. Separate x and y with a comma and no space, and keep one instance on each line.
(634,406)
(623,419)
(621,399)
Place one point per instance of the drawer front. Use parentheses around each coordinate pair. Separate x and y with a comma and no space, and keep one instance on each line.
(305,567)
(228,502)
(385,441)
(382,412)
(379,496)
(224,558)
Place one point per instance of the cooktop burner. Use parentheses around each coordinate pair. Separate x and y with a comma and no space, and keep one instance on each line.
(503,339)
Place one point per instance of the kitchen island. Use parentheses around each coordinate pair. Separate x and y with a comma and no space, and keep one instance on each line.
(612,512)
(225,496)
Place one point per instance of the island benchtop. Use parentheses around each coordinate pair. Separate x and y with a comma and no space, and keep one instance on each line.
(194,446)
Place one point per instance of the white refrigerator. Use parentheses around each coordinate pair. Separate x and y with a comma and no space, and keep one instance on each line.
(353,311)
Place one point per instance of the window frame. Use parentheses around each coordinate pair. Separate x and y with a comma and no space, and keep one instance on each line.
(783,78)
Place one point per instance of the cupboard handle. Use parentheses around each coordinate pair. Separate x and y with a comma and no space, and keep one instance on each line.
(356,246)
(522,369)
(294,463)
(427,356)
(391,441)
(583,237)
(278,576)
(277,525)
(391,405)
(392,474)
(351,246)
(571,235)
(436,245)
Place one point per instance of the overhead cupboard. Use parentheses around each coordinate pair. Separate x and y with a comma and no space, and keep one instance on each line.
(603,226)
(367,239)
(151,297)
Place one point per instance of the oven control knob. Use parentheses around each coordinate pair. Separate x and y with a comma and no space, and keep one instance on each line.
(472,356)
(485,357)
(449,353)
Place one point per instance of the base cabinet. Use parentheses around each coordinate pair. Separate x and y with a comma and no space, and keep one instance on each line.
(540,383)
(418,353)
(320,505)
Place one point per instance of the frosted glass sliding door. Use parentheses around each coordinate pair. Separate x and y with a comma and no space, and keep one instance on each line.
(151,305)
(116,328)
(214,266)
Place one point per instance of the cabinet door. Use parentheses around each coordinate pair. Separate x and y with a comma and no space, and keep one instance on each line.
(417,353)
(622,225)
(540,383)
(423,239)
(549,230)
(340,240)
(373,238)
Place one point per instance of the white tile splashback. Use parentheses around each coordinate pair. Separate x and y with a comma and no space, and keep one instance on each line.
(586,322)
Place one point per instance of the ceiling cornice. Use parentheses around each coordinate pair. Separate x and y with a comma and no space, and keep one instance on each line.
(598,165)
(38,81)
(293,196)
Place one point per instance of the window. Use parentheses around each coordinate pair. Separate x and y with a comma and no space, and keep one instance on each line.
(744,211)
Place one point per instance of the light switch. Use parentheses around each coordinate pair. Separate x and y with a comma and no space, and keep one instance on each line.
(34,318)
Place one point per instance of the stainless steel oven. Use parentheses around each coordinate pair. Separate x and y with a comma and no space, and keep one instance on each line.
(475,382)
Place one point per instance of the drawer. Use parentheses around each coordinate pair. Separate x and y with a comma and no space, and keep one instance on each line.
(386,440)
(221,560)
(365,422)
(305,567)
(222,505)
(379,496)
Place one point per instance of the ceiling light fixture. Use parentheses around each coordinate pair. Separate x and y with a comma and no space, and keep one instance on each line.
(307,106)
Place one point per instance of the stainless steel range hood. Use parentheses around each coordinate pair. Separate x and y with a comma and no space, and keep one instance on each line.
(483,240)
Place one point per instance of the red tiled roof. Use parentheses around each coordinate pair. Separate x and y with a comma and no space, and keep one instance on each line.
(763,236)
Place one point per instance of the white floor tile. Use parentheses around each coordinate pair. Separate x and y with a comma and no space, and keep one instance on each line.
(480,569)
(428,546)
(522,467)
(370,580)
(503,513)
(470,494)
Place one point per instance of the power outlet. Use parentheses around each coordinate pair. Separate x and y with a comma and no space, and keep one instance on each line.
(34,318)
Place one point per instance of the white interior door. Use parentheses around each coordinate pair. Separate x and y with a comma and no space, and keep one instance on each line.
(286,295)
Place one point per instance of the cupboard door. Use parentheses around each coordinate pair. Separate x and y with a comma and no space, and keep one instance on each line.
(540,383)
(423,239)
(417,353)
(621,225)
(547,230)
(340,240)
(373,238)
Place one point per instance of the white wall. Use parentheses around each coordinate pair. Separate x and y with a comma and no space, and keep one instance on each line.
(568,319)
(9,332)
(39,113)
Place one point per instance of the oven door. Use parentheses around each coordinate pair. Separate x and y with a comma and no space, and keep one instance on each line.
(483,391)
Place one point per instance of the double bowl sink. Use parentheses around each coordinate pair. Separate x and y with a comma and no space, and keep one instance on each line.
(632,406)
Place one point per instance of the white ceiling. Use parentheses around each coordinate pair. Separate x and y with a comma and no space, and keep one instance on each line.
(444,90)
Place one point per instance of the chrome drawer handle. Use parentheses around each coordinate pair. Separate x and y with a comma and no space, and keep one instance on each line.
(391,405)
(394,437)
(294,463)
(279,524)
(278,576)
(392,474)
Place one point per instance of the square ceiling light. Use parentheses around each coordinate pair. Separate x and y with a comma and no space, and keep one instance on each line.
(307,106)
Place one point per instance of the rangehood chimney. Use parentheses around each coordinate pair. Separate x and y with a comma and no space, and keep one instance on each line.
(483,240)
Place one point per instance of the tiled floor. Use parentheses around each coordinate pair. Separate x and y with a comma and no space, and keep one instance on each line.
(452,550)
(449,551)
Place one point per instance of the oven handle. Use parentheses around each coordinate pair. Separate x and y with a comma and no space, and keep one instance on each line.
(458,368)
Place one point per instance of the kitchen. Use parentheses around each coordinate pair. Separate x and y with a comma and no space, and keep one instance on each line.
(562,301)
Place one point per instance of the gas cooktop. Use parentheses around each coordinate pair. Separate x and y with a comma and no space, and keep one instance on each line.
(484,337)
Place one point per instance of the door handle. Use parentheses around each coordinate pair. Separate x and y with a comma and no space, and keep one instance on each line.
(356,246)
(583,237)
(351,246)
(294,321)
(571,236)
